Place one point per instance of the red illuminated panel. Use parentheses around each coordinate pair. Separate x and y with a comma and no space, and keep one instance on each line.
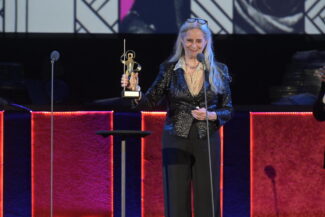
(1,163)
(151,163)
(83,164)
(287,174)
(221,169)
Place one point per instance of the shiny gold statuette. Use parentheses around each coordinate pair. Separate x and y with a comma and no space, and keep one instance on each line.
(130,67)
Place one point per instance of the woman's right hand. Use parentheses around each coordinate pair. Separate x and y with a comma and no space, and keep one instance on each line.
(132,83)
(320,73)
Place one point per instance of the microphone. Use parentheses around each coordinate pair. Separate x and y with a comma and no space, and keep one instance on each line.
(55,56)
(200,57)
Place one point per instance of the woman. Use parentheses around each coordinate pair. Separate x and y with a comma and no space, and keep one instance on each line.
(186,158)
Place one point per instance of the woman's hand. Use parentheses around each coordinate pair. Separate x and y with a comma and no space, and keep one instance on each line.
(321,73)
(200,114)
(132,83)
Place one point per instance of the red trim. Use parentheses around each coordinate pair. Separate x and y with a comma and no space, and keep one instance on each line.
(142,164)
(32,162)
(221,168)
(1,162)
(251,114)
(281,113)
(111,127)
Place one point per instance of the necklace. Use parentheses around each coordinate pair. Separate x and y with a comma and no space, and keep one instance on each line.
(192,67)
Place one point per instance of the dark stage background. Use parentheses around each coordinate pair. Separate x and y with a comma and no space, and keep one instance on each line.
(89,68)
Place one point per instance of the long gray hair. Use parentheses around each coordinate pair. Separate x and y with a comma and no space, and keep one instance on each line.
(215,77)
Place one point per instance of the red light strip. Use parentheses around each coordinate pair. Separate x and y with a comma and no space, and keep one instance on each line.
(280,113)
(72,113)
(221,169)
(32,162)
(111,127)
(1,163)
(251,132)
(142,164)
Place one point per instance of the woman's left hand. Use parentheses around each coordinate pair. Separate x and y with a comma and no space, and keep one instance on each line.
(200,114)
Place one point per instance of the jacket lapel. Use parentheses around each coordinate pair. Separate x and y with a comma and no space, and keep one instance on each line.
(207,85)
(182,82)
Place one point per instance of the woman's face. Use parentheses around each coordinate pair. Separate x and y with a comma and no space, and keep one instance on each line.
(193,42)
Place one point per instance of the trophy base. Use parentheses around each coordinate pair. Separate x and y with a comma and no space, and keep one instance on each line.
(130,94)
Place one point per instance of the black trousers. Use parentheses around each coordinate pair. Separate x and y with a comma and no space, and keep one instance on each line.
(186,167)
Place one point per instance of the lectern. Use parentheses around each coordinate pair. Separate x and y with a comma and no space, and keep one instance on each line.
(123,134)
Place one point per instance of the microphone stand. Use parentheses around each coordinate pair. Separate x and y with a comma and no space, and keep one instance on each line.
(52,138)
(201,58)
(208,137)
(55,55)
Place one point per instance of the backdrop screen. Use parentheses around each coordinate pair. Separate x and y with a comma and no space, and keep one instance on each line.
(162,16)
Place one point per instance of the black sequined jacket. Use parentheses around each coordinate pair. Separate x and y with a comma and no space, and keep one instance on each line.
(172,85)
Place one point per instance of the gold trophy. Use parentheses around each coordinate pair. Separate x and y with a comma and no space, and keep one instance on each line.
(130,67)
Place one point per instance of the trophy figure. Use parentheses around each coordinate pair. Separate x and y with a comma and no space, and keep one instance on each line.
(130,67)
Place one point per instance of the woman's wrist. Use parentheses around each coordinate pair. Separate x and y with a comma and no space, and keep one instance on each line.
(138,88)
(212,116)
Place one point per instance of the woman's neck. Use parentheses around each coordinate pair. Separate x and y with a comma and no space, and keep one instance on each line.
(191,62)
(190,59)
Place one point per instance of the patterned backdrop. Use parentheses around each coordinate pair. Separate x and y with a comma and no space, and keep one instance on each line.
(106,16)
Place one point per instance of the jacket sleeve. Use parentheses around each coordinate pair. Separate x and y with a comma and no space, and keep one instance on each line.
(224,109)
(157,91)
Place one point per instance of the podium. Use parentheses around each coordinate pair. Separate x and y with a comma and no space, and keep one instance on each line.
(123,134)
